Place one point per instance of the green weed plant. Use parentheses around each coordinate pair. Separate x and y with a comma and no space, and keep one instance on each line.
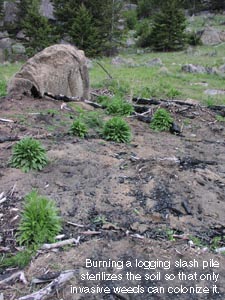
(117,130)
(28,154)
(40,222)
(161,120)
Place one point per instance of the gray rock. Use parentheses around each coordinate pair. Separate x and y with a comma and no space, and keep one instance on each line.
(118,60)
(154,62)
(214,92)
(210,36)
(130,42)
(46,9)
(130,6)
(11,12)
(4,34)
(222,69)
(18,48)
(6,43)
(58,69)
(190,68)
(89,63)
(21,35)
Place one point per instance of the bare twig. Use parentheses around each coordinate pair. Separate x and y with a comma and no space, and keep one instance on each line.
(104,69)
(13,276)
(6,120)
(75,224)
(61,244)
(52,287)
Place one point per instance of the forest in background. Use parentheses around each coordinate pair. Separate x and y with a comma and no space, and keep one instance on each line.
(100,27)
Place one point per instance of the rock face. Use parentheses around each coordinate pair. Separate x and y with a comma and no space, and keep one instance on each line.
(190,68)
(211,36)
(58,69)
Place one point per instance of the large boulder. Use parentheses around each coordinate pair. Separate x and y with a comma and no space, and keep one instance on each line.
(58,69)
(210,36)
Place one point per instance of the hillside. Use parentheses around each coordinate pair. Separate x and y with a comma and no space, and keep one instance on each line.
(158,199)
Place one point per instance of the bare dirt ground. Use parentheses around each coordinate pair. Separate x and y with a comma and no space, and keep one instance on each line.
(146,200)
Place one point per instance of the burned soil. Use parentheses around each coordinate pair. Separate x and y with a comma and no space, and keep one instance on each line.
(162,196)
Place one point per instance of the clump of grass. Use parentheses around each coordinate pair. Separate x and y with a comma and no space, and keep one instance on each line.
(40,222)
(117,130)
(92,119)
(117,106)
(172,93)
(161,120)
(28,154)
(2,88)
(20,259)
(79,128)
(220,118)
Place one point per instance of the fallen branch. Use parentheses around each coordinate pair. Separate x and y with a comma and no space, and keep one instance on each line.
(52,287)
(4,139)
(62,97)
(61,244)
(104,69)
(75,224)
(6,120)
(19,275)
(146,101)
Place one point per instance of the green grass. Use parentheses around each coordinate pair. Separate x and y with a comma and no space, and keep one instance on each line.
(6,72)
(168,82)
(155,82)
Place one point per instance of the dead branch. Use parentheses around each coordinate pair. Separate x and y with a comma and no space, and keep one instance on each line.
(89,232)
(146,101)
(75,224)
(104,69)
(62,97)
(61,244)
(6,120)
(94,104)
(20,275)
(4,139)
(52,287)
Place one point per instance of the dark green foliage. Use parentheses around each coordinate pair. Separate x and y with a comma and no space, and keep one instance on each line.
(168,27)
(131,19)
(101,22)
(20,259)
(117,130)
(40,222)
(117,106)
(194,39)
(36,27)
(78,128)
(161,120)
(28,154)
(217,5)
(147,7)
(82,32)
(1,9)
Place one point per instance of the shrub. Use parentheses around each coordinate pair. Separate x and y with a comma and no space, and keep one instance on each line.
(79,128)
(28,154)
(118,106)
(172,93)
(161,120)
(117,130)
(131,19)
(194,39)
(40,222)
